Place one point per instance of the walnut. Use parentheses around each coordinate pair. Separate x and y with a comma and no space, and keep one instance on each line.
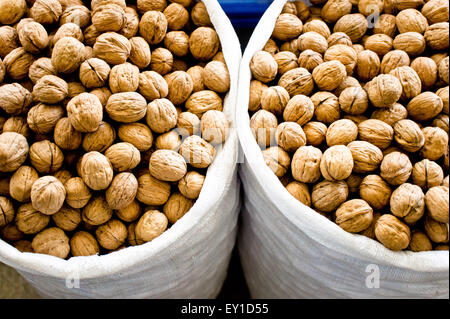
(436,36)
(396,168)
(329,75)
(122,191)
(408,202)
(67,55)
(46,157)
(425,106)
(368,65)
(290,136)
(391,115)
(47,195)
(9,40)
(99,140)
(17,124)
(326,196)
(427,174)
(272,47)
(315,133)
(419,242)
(443,70)
(291,46)
(137,134)
(14,98)
(443,93)
(152,85)
(376,132)
(427,71)
(126,107)
(203,101)
(299,109)
(97,211)
(176,207)
(94,73)
(191,184)
(161,61)
(341,132)
(151,225)
(96,170)
(215,127)
(410,80)
(309,59)
(435,11)
(188,123)
(77,14)
(108,17)
(277,160)
(23,246)
(145,5)
(384,90)
(312,41)
(140,52)
(168,141)
(257,89)
(411,20)
(50,89)
(33,37)
(42,118)
(6,211)
(112,47)
(392,233)
(85,112)
(204,43)
(216,77)
(274,99)
(380,43)
(83,243)
(112,234)
(124,78)
(30,221)
(442,121)
(41,67)
(354,25)
(152,191)
(197,152)
(445,182)
(51,241)
(394,59)
(437,203)
(200,16)
(21,183)
(196,74)
(354,100)
(339,38)
(46,11)
(344,54)
(153,27)
(326,106)
(436,231)
(167,165)
(263,66)
(286,61)
(354,215)
(17,63)
(366,156)
(13,151)
(409,135)
(335,9)
(129,213)
(177,16)
(77,193)
(67,218)
(375,191)
(436,142)
(177,42)
(336,163)
(412,43)
(287,27)
(12,11)
(123,156)
(68,30)
(180,86)
(305,165)
(161,115)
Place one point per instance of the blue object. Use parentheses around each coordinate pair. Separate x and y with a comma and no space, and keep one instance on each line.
(245,13)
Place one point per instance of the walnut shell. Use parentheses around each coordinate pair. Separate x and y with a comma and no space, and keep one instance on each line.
(263,66)
(203,43)
(305,165)
(216,77)
(30,221)
(299,109)
(17,124)
(396,168)
(443,70)
(97,211)
(6,211)
(287,27)
(51,241)
(392,233)
(48,195)
(85,112)
(161,61)
(354,100)
(436,11)
(333,10)
(436,231)
(290,136)
(9,40)
(67,218)
(375,191)
(112,234)
(339,38)
(153,27)
(123,156)
(336,163)
(394,59)
(381,44)
(21,182)
(391,115)
(191,184)
(77,193)
(427,71)
(436,36)
(300,191)
(17,63)
(314,41)
(122,191)
(354,215)
(326,196)
(151,225)
(112,47)
(366,156)
(42,118)
(188,123)
(384,90)
(368,65)
(65,136)
(167,165)
(140,52)
(344,54)
(152,85)
(277,160)
(46,157)
(96,171)
(376,132)
(137,134)
(341,132)
(203,101)
(12,11)
(329,75)
(286,61)
(436,143)
(427,174)
(215,127)
(108,17)
(425,106)
(14,98)
(177,16)
(297,81)
(309,59)
(33,37)
(412,43)
(354,25)
(197,152)
(410,81)
(124,78)
(99,140)
(83,243)
(326,107)
(161,115)
(152,191)
(94,73)
(176,207)
(408,202)
(409,135)
(419,242)
(126,107)
(437,203)
(315,133)
(13,151)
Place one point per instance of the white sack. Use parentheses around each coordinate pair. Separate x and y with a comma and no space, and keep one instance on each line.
(289,251)
(188,261)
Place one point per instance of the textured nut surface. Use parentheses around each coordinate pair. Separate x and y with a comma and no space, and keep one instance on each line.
(336,163)
(326,196)
(161,115)
(67,218)
(354,215)
(376,132)
(436,143)
(204,43)
(96,171)
(409,135)
(112,47)
(392,233)
(408,202)
(437,203)
(263,66)
(191,184)
(436,231)
(277,160)
(297,81)
(375,191)
(176,207)
(48,195)
(427,174)
(341,132)
(290,136)
(83,243)
(384,90)
(299,109)
(197,152)
(329,75)
(13,151)
(366,156)
(30,221)
(77,192)
(305,165)
(122,191)
(151,225)
(326,107)
(152,191)
(51,241)
(7,212)
(21,182)
(85,112)
(112,234)
(215,127)
(167,165)
(396,168)
(46,157)
(126,107)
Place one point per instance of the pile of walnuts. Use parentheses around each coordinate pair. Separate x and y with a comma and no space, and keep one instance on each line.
(110,114)
(353,117)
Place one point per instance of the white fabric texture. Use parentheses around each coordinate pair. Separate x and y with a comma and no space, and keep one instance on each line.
(188,261)
(289,251)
